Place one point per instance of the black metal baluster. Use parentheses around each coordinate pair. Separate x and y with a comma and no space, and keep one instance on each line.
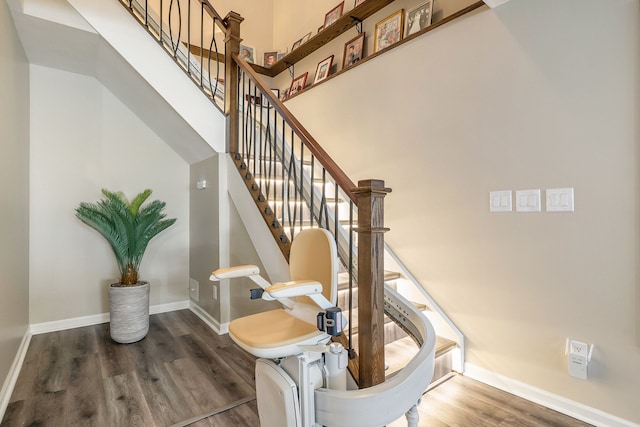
(313,162)
(189,38)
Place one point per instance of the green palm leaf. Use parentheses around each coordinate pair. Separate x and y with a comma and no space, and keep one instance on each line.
(127,226)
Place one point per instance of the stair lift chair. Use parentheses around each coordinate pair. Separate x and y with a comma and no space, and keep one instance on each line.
(293,342)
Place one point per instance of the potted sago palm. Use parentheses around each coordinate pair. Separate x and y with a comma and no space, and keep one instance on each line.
(128,226)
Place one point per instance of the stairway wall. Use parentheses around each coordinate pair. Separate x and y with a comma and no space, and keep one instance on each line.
(14,193)
(497,101)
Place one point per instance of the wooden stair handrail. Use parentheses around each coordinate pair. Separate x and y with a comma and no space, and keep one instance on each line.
(309,141)
(214,14)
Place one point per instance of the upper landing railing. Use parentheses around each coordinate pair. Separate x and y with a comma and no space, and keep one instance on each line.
(191,32)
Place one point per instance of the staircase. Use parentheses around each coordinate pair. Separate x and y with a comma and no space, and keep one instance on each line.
(288,201)
(292,188)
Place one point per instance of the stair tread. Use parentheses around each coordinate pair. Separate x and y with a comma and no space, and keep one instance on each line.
(343,278)
(398,353)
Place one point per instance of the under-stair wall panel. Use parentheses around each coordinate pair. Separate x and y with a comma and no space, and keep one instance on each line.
(130,40)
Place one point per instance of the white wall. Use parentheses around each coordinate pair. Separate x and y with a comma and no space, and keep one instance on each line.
(84,139)
(498,101)
(14,193)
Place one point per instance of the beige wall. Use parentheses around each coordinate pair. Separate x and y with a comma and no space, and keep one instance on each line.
(498,101)
(288,28)
(204,250)
(14,192)
(84,139)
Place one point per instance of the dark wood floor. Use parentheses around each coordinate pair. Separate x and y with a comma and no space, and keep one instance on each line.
(182,370)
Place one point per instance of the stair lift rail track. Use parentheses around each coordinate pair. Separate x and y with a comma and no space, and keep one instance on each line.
(386,402)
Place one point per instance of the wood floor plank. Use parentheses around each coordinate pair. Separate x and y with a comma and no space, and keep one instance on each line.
(201,393)
(127,405)
(174,323)
(216,368)
(115,359)
(237,359)
(42,410)
(85,402)
(163,397)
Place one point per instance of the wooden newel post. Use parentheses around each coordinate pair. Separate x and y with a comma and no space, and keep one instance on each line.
(232,46)
(370,195)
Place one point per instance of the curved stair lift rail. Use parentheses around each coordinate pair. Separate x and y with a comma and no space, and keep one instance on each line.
(386,402)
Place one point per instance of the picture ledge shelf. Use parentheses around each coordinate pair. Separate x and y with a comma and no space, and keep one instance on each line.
(271,72)
(343,24)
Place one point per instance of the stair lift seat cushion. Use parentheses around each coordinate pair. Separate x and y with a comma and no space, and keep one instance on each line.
(314,257)
(273,334)
(279,333)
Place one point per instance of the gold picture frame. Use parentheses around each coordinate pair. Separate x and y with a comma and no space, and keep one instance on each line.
(388,31)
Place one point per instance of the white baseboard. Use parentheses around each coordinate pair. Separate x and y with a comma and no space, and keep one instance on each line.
(172,306)
(95,319)
(14,371)
(209,320)
(552,401)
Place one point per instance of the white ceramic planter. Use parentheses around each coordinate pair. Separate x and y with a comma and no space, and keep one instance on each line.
(129,312)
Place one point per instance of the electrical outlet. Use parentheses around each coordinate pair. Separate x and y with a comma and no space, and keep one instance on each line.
(579,348)
(194,289)
(577,358)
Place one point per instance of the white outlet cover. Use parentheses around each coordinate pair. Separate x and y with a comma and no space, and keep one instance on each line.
(528,200)
(500,201)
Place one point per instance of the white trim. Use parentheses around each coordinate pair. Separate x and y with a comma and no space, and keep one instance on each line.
(95,319)
(217,327)
(171,306)
(495,3)
(542,397)
(14,371)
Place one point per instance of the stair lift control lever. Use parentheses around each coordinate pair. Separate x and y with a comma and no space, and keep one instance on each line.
(331,321)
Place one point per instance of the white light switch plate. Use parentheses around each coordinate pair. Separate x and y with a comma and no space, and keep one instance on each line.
(528,200)
(560,200)
(500,201)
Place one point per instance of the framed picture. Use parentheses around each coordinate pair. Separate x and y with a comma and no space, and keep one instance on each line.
(418,18)
(388,31)
(358,3)
(320,28)
(296,45)
(281,55)
(323,70)
(353,50)
(253,99)
(265,100)
(270,58)
(306,38)
(284,94)
(297,85)
(246,53)
(333,15)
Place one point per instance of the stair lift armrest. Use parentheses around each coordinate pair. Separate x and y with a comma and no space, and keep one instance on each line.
(234,272)
(295,288)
